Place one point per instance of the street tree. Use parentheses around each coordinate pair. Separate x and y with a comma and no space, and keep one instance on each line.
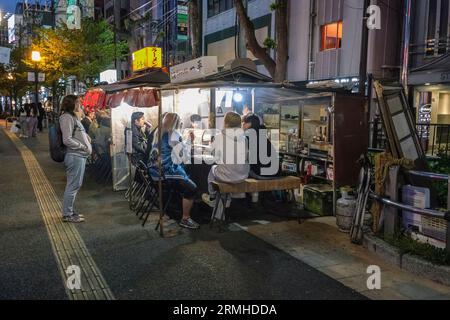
(277,67)
(82,53)
(13,76)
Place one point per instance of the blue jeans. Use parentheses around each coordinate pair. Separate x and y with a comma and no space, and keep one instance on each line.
(75,167)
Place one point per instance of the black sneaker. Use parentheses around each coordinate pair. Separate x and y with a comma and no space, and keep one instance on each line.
(189,224)
(73,219)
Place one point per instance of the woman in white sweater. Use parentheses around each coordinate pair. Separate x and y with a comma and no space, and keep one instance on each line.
(230,155)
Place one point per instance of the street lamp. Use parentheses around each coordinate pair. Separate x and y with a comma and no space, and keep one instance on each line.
(11,78)
(36,57)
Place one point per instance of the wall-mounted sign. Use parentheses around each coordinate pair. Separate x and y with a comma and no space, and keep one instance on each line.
(5,55)
(445,76)
(12,28)
(149,57)
(31,77)
(109,76)
(194,69)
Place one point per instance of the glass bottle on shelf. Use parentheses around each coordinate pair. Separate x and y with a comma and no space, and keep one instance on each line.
(324,137)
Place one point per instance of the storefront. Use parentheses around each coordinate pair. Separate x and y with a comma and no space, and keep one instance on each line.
(119,101)
(431,89)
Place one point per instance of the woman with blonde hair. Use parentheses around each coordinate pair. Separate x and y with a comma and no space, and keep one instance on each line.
(230,154)
(173,152)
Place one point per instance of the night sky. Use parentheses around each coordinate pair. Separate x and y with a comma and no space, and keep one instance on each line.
(8,5)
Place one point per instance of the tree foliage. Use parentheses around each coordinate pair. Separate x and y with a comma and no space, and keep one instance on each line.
(13,76)
(81,53)
(277,66)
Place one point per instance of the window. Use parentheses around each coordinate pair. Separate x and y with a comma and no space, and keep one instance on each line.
(218,6)
(438,33)
(331,36)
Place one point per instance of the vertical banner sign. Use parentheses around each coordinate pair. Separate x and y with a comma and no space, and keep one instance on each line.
(73,16)
(182,23)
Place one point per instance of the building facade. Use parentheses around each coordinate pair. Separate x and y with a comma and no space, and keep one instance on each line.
(4,17)
(162,24)
(115,12)
(324,37)
(26,17)
(429,71)
(222,36)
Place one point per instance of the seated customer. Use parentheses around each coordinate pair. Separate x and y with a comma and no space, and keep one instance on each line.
(141,136)
(88,120)
(102,136)
(173,151)
(231,167)
(264,161)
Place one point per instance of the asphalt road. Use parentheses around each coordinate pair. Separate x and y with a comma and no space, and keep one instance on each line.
(135,261)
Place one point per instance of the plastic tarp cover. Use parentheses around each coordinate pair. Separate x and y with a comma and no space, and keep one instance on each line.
(147,98)
(94,100)
(120,120)
(113,100)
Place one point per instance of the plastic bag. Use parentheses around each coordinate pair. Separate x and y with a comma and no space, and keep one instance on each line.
(14,128)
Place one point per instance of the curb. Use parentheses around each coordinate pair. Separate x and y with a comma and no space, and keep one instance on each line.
(407,262)
(427,269)
(383,250)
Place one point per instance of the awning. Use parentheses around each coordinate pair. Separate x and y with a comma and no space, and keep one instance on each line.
(114,100)
(153,78)
(136,91)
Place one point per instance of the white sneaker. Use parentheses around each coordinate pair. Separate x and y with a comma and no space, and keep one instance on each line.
(206,199)
(228,202)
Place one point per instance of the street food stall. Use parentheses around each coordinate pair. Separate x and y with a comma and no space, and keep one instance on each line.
(319,135)
(120,101)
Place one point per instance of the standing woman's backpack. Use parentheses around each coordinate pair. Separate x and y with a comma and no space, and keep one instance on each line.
(57,147)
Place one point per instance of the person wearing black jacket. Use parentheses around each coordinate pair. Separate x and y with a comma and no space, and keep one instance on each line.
(252,121)
(142,136)
(88,120)
(40,116)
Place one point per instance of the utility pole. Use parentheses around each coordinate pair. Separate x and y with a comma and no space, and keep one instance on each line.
(36,84)
(364,49)
(406,42)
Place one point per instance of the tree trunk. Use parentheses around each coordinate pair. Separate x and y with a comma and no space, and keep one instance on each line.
(194,28)
(282,52)
(252,44)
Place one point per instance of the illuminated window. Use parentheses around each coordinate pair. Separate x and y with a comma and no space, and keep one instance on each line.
(331,36)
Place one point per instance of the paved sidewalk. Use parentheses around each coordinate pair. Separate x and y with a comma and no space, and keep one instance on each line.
(318,243)
(134,261)
(261,257)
